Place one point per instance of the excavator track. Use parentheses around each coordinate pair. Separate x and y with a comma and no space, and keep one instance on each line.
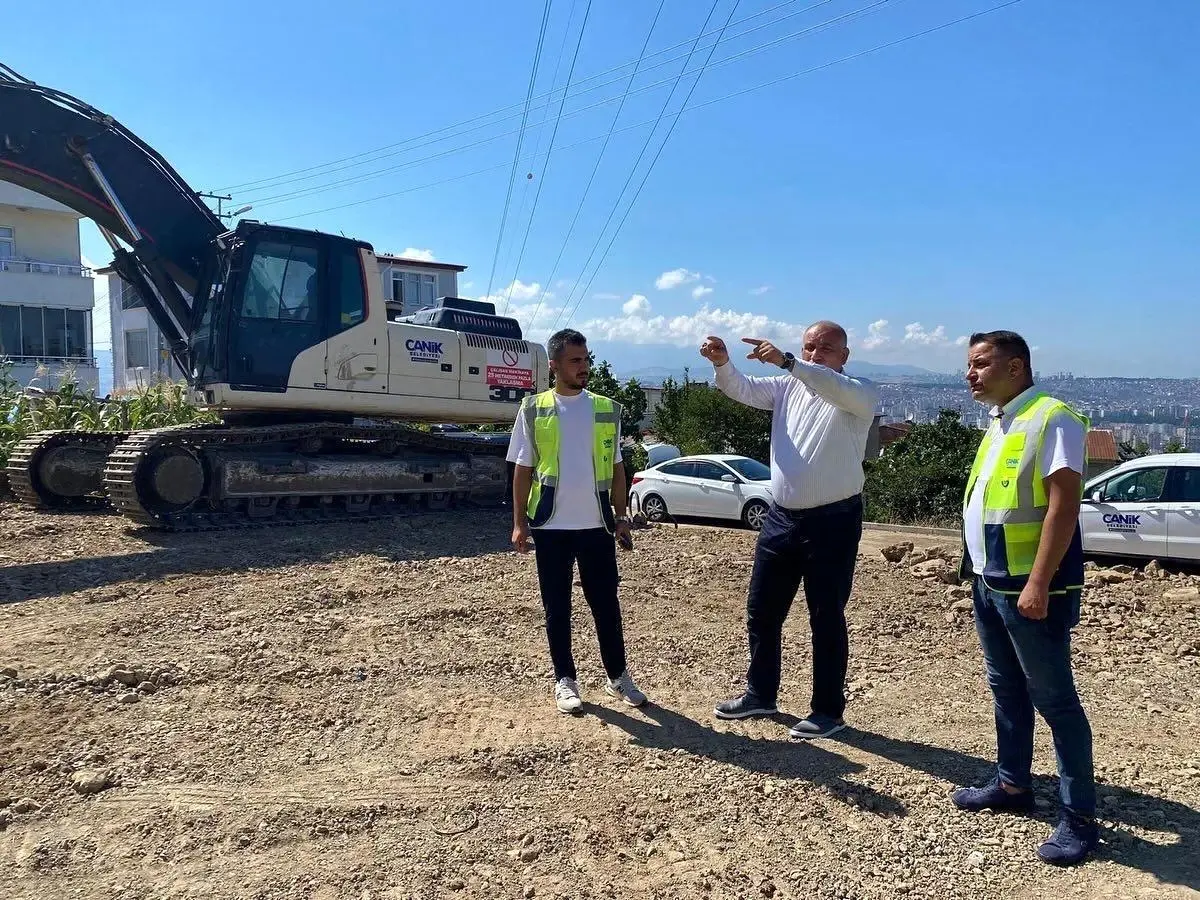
(61,470)
(175,460)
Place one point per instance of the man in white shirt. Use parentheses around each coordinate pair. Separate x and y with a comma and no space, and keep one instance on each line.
(568,480)
(820,421)
(1024,553)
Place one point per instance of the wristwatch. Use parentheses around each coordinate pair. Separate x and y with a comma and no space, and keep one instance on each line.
(789,360)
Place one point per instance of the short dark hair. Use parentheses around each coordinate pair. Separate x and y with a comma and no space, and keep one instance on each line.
(1009,344)
(560,340)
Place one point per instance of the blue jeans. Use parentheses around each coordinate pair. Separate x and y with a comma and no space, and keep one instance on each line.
(1029,667)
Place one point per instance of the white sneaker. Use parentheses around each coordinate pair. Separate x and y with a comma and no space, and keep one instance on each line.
(624,688)
(566,696)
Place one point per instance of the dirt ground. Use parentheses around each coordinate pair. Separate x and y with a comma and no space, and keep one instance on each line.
(364,711)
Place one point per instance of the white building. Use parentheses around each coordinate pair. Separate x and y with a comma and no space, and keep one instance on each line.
(46,294)
(409,284)
(141,357)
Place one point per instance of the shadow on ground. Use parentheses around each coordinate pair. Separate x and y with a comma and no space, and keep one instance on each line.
(1175,860)
(669,730)
(420,536)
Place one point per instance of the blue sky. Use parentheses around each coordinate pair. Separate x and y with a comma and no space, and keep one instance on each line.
(1033,168)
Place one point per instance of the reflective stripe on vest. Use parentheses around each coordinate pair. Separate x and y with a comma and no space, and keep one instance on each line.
(1014,499)
(542,424)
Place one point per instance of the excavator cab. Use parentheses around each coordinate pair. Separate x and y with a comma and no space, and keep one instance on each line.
(282,292)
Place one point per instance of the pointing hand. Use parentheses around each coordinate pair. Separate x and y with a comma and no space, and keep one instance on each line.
(714,350)
(764,351)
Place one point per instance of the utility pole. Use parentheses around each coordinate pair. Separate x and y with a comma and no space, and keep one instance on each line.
(221,214)
(218,198)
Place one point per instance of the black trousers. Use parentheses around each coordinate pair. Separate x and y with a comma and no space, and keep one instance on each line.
(818,547)
(595,550)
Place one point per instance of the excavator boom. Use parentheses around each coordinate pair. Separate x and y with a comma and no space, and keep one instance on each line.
(65,149)
(283,332)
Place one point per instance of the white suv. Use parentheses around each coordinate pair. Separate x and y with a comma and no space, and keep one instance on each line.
(1149,506)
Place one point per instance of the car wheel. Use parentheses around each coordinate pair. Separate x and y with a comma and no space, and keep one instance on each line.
(754,514)
(654,508)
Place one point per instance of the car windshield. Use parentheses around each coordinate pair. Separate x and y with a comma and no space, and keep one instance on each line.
(750,469)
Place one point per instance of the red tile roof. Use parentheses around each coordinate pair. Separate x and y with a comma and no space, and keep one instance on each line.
(893,431)
(1101,445)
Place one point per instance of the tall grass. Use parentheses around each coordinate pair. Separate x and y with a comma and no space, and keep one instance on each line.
(70,407)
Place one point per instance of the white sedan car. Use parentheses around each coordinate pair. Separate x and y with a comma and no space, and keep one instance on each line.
(1148,507)
(718,486)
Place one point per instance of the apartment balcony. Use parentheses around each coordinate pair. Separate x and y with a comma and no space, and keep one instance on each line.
(32,281)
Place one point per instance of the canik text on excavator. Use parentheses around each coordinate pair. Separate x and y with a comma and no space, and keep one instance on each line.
(283,332)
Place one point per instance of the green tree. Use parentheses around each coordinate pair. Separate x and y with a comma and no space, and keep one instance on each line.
(1174,445)
(698,418)
(630,395)
(1127,450)
(920,479)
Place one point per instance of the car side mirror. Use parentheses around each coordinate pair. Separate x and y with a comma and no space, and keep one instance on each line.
(732,479)
(1096,495)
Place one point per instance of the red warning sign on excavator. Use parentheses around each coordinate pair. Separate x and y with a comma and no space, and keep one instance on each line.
(509,368)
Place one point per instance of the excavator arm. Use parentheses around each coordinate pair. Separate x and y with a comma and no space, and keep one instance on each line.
(65,149)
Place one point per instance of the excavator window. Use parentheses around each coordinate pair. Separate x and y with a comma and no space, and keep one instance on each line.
(282,284)
(352,302)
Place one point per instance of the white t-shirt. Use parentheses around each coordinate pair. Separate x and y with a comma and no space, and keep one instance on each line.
(575,503)
(1063,448)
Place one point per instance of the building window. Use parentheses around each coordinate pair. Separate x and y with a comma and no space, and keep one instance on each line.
(52,332)
(413,290)
(55,322)
(137,349)
(10,331)
(8,245)
(77,334)
(130,298)
(33,337)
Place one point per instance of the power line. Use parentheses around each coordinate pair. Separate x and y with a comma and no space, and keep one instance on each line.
(541,128)
(766,84)
(553,135)
(537,56)
(596,167)
(360,178)
(518,105)
(636,162)
(757,87)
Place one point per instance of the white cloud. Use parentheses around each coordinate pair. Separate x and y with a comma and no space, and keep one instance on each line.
(673,279)
(689,330)
(760,290)
(636,305)
(414,253)
(877,334)
(516,293)
(699,291)
(915,333)
(961,340)
(606,296)
(466,285)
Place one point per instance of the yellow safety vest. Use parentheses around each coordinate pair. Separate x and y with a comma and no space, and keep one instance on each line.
(1015,501)
(542,423)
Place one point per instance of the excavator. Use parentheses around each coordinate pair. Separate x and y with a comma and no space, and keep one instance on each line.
(283,333)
